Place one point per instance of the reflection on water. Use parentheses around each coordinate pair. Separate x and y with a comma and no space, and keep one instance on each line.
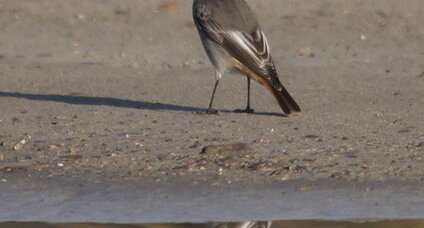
(279,224)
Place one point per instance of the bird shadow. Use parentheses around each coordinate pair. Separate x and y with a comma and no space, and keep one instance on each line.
(114,102)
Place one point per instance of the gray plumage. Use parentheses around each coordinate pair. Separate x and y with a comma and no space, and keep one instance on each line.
(233,40)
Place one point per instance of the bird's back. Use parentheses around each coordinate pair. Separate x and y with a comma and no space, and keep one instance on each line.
(229,15)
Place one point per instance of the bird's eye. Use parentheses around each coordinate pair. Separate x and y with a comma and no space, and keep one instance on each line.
(202,13)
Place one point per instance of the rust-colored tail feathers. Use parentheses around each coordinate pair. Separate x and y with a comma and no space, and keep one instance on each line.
(285,100)
(273,84)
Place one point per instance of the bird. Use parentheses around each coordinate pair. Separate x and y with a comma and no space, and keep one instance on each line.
(234,42)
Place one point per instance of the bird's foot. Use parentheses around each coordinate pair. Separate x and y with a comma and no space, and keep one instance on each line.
(247,110)
(208,112)
(212,112)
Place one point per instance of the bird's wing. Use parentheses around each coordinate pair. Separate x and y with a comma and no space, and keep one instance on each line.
(249,48)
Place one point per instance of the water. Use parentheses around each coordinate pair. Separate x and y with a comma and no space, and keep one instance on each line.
(278,224)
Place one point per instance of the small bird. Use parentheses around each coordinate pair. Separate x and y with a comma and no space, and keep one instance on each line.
(234,41)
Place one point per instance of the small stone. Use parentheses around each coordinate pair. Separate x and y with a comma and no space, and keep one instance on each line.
(168,6)
(60,164)
(18,146)
(404,131)
(139,144)
(73,151)
(265,141)
(310,136)
(307,51)
(147,167)
(121,11)
(53,147)
(285,177)
(1,156)
(220,171)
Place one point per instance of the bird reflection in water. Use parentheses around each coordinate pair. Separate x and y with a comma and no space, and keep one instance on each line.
(249,224)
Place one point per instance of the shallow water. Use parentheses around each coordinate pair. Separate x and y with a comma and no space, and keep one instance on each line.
(277,224)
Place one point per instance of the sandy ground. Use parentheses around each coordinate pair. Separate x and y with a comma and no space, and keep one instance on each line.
(109,90)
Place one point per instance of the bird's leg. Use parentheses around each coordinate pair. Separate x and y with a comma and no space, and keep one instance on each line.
(210,110)
(248,109)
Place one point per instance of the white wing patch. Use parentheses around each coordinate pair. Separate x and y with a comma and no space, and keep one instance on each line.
(257,49)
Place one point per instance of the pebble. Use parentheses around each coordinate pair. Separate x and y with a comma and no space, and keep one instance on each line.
(306,51)
(285,177)
(311,136)
(53,147)
(235,147)
(73,151)
(404,131)
(168,6)
(19,145)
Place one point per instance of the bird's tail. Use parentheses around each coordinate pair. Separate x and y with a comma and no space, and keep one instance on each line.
(273,84)
(285,100)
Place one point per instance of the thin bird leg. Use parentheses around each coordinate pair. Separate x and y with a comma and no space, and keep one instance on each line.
(248,109)
(210,111)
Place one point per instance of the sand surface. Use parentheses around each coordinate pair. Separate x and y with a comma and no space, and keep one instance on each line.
(107,92)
